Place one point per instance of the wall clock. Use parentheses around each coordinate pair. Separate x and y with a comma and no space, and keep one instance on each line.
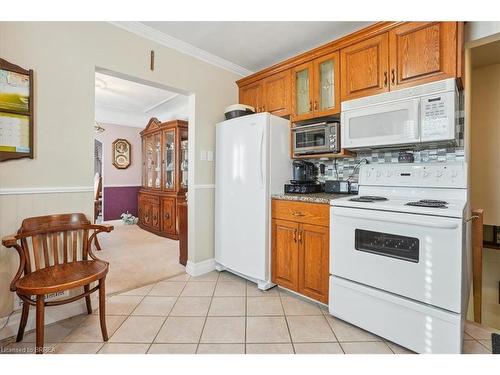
(121,153)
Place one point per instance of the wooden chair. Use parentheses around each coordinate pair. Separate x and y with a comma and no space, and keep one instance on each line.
(54,256)
(97,203)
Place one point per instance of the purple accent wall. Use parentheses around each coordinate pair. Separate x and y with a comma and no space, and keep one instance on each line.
(118,200)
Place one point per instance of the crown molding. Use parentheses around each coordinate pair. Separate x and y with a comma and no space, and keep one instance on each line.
(166,40)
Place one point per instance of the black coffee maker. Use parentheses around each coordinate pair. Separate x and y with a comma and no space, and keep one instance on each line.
(303,172)
(304,178)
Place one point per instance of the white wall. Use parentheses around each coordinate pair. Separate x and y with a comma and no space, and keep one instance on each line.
(64,57)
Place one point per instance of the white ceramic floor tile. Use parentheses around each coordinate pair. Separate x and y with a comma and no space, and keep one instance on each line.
(191,306)
(138,329)
(90,329)
(228,276)
(253,291)
(373,347)
(121,305)
(227,306)
(167,288)
(111,348)
(221,330)
(267,329)
(474,347)
(172,349)
(296,306)
(181,330)
(264,306)
(230,289)
(221,349)
(397,349)
(269,349)
(486,343)
(210,276)
(181,277)
(479,332)
(199,289)
(58,331)
(310,329)
(143,291)
(318,348)
(155,306)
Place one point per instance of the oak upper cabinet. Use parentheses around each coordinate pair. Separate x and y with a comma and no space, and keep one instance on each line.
(300,247)
(285,253)
(316,88)
(276,94)
(421,52)
(302,91)
(252,95)
(364,68)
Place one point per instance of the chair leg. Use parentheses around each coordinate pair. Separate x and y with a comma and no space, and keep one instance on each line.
(40,317)
(22,323)
(86,289)
(102,308)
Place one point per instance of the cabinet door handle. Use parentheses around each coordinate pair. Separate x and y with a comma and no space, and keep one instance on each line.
(297,213)
(315,105)
(263,108)
(295,235)
(166,216)
(300,236)
(393,76)
(385,79)
(310,106)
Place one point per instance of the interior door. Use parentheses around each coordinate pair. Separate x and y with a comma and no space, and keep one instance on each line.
(285,253)
(302,91)
(252,95)
(364,68)
(241,195)
(314,261)
(327,85)
(276,96)
(421,52)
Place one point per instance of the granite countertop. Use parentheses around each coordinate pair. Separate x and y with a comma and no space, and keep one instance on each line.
(312,198)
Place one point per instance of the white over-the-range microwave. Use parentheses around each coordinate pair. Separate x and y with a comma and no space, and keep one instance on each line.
(413,117)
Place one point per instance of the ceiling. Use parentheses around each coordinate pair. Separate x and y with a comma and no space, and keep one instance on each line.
(123,102)
(255,45)
(487,54)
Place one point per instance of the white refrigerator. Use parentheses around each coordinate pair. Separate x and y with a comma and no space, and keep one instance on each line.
(252,163)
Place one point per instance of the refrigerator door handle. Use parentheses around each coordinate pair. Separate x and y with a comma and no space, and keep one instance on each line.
(261,149)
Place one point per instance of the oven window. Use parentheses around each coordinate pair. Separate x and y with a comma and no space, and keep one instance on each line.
(390,245)
(310,138)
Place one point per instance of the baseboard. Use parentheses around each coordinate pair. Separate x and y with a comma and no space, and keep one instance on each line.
(52,315)
(200,268)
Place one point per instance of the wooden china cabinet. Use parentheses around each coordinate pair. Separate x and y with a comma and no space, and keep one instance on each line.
(164,176)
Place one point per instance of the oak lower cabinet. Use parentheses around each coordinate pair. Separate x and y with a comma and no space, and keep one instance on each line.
(300,247)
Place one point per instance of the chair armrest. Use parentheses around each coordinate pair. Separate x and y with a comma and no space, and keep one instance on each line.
(97,229)
(102,227)
(9,241)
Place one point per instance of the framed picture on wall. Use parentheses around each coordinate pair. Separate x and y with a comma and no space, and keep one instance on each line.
(16,112)
(122,151)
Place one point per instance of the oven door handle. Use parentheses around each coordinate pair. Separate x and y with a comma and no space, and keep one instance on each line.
(428,223)
(261,150)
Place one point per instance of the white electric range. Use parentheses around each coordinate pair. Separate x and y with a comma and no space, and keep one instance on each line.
(398,262)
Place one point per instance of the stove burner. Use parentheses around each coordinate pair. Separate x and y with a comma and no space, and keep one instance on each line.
(368,198)
(432,203)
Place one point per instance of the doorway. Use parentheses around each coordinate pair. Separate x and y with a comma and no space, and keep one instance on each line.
(484,89)
(125,107)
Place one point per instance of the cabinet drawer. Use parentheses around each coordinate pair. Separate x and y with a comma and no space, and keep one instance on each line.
(149,199)
(301,212)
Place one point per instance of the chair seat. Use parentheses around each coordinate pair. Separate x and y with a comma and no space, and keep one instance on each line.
(61,277)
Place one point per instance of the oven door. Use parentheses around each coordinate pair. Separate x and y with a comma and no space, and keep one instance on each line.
(415,256)
(387,124)
(310,139)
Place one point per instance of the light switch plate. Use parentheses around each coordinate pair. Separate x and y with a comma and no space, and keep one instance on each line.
(210,155)
(203,155)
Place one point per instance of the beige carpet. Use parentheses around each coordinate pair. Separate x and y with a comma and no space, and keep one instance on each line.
(137,257)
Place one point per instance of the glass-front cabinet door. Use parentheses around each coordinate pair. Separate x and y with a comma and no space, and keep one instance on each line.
(302,92)
(169,159)
(152,158)
(183,170)
(326,85)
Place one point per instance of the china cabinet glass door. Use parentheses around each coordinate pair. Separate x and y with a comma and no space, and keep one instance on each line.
(169,159)
(327,100)
(302,95)
(152,165)
(184,159)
